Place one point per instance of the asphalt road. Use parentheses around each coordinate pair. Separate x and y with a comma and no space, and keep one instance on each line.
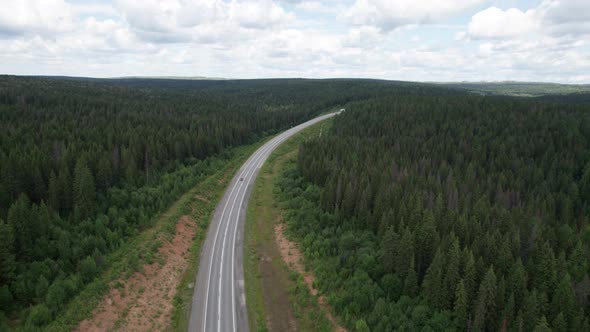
(219,300)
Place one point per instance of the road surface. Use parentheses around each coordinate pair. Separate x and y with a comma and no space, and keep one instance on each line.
(219,300)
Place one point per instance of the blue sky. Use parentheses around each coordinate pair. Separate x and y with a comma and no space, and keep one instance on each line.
(444,40)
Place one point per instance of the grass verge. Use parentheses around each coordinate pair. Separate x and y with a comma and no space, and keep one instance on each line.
(277,298)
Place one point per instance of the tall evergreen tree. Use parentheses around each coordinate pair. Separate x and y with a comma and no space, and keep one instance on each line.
(84,191)
(461,308)
(23,223)
(485,305)
(578,262)
(564,299)
(7,262)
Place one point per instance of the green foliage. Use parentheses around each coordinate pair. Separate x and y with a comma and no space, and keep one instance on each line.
(485,198)
(5,298)
(461,308)
(485,306)
(38,316)
(7,262)
(88,269)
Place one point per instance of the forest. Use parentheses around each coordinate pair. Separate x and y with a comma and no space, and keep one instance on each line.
(432,213)
(85,164)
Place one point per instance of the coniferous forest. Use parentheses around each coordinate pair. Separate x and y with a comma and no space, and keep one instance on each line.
(432,213)
(85,165)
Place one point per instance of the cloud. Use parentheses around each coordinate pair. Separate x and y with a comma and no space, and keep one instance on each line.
(259,15)
(163,21)
(362,37)
(495,23)
(388,15)
(22,17)
(550,17)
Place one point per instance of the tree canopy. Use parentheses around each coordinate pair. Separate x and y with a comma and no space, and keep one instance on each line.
(482,202)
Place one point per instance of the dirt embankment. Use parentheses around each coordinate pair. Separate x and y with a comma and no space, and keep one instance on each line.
(144,301)
(294,259)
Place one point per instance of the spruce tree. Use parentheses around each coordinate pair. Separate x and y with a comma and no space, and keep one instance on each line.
(564,299)
(485,305)
(432,283)
(84,191)
(542,325)
(7,262)
(411,281)
(518,283)
(578,262)
(461,308)
(22,223)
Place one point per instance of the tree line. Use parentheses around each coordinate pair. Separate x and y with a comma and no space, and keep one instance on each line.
(448,213)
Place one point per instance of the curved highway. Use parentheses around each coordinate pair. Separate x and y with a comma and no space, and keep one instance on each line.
(219,300)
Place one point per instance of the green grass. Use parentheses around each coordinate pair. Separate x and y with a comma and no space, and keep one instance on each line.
(262,214)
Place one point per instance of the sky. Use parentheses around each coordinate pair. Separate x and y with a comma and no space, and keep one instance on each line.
(411,40)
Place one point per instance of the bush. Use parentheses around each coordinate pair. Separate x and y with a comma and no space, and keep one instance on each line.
(56,295)
(38,316)
(88,269)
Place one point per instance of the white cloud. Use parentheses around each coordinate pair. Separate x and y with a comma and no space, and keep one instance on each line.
(18,17)
(181,20)
(389,15)
(494,22)
(262,14)
(362,37)
(551,17)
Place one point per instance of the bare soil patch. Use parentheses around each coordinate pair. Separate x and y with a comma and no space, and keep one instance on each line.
(202,198)
(144,301)
(294,259)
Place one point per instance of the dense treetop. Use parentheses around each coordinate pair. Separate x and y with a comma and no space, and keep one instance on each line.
(449,212)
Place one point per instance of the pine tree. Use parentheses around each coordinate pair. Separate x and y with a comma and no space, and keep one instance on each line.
(7,262)
(452,275)
(426,242)
(411,281)
(53,192)
(507,317)
(66,187)
(485,305)
(388,249)
(104,173)
(559,324)
(564,299)
(22,223)
(470,273)
(84,191)
(432,283)
(542,325)
(461,309)
(545,274)
(578,263)
(504,258)
(531,310)
(404,253)
(518,283)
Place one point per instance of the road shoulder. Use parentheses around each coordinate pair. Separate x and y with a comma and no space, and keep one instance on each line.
(276,295)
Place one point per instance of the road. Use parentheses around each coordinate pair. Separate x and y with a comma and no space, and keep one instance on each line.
(219,299)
